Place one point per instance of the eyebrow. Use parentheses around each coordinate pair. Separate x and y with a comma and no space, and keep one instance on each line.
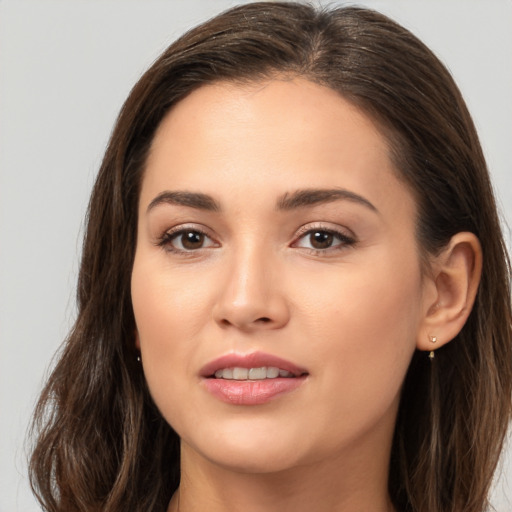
(311,197)
(183,198)
(288,201)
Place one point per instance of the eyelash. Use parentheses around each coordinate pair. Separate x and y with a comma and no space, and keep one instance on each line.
(167,239)
(344,240)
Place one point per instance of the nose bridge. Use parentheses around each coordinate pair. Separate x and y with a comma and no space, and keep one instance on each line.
(251,296)
(251,275)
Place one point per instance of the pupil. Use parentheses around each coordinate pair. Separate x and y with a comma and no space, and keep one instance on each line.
(192,240)
(321,240)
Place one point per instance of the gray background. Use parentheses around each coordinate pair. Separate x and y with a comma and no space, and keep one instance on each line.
(65,68)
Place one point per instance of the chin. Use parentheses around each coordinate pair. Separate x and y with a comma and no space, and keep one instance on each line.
(251,450)
(255,461)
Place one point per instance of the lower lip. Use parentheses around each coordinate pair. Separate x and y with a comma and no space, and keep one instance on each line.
(251,392)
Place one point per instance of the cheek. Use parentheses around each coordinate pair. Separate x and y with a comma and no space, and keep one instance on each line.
(362,333)
(165,303)
(169,314)
(365,307)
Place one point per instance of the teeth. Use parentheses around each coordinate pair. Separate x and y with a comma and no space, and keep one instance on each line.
(273,372)
(265,372)
(257,373)
(240,373)
(226,373)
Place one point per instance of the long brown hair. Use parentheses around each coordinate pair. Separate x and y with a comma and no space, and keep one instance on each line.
(101,443)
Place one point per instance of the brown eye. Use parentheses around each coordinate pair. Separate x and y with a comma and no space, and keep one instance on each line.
(321,239)
(191,240)
(186,240)
(324,240)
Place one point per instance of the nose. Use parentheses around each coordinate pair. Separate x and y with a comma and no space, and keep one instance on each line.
(251,297)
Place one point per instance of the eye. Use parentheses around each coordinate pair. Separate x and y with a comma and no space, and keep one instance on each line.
(186,240)
(323,239)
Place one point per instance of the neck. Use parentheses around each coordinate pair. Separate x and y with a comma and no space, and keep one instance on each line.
(344,483)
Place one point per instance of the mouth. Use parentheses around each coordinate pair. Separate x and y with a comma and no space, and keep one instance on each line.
(251,366)
(262,373)
(251,379)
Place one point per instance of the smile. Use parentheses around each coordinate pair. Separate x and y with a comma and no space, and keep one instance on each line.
(264,372)
(251,379)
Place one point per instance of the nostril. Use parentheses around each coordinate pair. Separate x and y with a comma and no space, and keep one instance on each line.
(263,320)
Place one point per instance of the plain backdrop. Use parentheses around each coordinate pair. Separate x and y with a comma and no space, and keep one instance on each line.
(65,69)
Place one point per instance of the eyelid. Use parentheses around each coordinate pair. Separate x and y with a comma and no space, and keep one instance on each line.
(166,238)
(325,226)
(345,235)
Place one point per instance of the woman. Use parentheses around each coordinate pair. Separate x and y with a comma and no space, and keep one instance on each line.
(294,292)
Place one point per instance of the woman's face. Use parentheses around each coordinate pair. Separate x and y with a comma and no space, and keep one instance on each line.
(274,238)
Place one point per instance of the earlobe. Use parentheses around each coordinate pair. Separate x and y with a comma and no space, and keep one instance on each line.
(137,340)
(455,277)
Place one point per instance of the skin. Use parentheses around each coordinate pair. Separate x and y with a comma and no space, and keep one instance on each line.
(352,314)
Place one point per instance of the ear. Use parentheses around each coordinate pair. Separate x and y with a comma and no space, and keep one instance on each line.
(451,291)
(137,340)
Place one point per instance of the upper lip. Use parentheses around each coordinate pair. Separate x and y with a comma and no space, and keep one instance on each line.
(251,360)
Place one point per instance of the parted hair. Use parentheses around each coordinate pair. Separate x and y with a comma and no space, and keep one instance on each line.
(99,442)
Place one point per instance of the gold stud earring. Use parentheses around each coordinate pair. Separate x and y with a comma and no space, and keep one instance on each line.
(433,339)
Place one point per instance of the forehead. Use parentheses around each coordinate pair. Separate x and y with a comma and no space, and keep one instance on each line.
(270,136)
(296,110)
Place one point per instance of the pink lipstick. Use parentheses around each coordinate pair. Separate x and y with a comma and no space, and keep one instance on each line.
(251,379)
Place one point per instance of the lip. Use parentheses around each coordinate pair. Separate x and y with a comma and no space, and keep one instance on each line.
(247,392)
(251,360)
